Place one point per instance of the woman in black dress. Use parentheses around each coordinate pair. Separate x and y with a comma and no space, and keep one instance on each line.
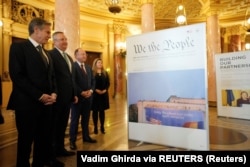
(100,96)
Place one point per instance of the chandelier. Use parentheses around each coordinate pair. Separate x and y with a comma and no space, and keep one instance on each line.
(181,18)
(113,6)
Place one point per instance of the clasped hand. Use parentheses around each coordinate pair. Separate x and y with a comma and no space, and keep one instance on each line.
(100,92)
(48,99)
(86,94)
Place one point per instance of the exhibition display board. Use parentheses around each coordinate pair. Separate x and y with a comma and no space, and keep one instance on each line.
(233,84)
(167,87)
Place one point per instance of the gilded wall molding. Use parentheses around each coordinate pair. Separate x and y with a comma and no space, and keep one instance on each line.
(6,9)
(1,10)
(7,26)
(23,13)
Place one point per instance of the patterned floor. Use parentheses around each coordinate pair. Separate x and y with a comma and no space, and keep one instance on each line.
(225,134)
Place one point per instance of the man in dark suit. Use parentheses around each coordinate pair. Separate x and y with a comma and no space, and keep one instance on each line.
(64,72)
(33,93)
(85,84)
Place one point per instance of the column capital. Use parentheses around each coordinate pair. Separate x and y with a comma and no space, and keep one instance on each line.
(146,2)
(223,31)
(234,30)
(210,7)
(118,27)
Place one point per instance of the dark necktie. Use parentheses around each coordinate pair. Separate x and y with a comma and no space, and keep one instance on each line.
(83,69)
(44,57)
(66,59)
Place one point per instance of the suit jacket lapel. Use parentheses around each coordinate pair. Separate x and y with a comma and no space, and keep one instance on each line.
(34,52)
(59,56)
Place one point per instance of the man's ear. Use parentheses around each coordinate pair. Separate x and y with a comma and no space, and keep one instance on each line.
(36,29)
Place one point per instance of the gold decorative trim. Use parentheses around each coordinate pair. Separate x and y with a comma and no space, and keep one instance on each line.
(23,13)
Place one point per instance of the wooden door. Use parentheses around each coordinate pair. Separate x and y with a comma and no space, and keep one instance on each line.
(91,57)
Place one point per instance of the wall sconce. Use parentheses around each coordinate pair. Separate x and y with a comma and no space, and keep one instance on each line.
(247,46)
(1,23)
(247,42)
(181,17)
(122,47)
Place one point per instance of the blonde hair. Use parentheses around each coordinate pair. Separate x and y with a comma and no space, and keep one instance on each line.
(94,69)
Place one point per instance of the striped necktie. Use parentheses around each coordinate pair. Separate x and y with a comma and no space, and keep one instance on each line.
(44,57)
(66,59)
(83,69)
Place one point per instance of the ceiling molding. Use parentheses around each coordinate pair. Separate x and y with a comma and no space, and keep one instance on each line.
(229,12)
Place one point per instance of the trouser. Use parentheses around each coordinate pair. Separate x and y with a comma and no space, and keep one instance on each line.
(61,116)
(80,109)
(33,127)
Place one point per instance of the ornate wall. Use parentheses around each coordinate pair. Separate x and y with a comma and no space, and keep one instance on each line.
(95,37)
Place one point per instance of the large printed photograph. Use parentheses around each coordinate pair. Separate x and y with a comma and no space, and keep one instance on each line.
(168,98)
(235,98)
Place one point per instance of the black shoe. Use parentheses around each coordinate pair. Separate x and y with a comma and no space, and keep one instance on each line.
(72,146)
(95,131)
(89,140)
(102,130)
(55,163)
(64,153)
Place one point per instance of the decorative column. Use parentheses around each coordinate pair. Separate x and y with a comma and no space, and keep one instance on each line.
(242,39)
(234,38)
(223,41)
(147,16)
(6,38)
(118,69)
(67,20)
(213,47)
(49,16)
(5,42)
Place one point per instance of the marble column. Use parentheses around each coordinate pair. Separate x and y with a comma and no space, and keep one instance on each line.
(234,38)
(67,20)
(213,47)
(147,16)
(235,43)
(118,69)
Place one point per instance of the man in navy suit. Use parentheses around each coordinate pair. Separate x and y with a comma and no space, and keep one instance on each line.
(64,73)
(85,84)
(33,93)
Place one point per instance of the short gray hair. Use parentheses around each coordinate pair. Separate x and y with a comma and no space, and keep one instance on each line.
(37,22)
